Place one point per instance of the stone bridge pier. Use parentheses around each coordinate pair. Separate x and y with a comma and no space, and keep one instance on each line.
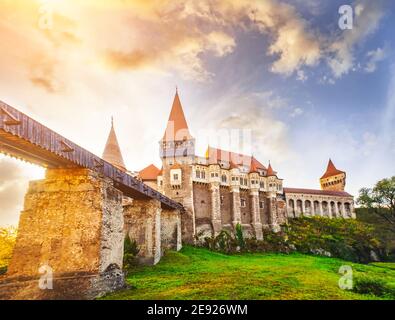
(152,228)
(71,230)
(71,235)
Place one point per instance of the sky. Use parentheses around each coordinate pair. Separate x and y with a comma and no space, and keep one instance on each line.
(283,73)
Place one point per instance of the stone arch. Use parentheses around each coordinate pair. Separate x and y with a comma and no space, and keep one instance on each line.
(333,209)
(291,205)
(325,209)
(347,208)
(308,208)
(316,208)
(299,207)
(340,209)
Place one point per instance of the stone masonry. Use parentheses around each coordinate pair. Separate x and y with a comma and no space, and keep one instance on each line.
(72,222)
(143,225)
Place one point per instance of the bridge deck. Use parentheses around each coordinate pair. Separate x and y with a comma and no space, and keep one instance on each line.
(26,139)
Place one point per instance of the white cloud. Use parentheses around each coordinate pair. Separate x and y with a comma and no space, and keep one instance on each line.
(374,57)
(368,15)
(301,76)
(296,112)
(14,178)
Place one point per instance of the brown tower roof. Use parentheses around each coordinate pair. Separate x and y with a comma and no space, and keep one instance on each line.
(331,170)
(112,152)
(215,155)
(256,165)
(149,173)
(270,171)
(177,127)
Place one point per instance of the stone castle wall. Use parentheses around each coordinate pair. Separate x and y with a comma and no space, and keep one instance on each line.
(72,225)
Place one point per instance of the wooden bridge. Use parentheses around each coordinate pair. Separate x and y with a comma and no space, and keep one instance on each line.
(24,138)
(74,222)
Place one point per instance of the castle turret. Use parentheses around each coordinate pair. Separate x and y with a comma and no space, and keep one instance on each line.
(177,151)
(333,179)
(112,151)
(177,144)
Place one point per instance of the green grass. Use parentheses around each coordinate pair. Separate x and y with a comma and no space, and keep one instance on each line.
(195,273)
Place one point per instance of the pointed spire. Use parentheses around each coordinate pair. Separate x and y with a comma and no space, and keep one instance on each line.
(177,127)
(270,171)
(112,151)
(331,170)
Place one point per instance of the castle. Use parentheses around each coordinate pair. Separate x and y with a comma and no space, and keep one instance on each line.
(223,188)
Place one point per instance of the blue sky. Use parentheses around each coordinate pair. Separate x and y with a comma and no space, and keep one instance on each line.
(283,70)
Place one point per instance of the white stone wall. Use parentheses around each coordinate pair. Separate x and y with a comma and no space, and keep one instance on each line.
(330,206)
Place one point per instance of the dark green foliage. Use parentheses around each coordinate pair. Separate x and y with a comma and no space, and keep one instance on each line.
(130,253)
(382,230)
(380,200)
(373,286)
(342,238)
(240,237)
(347,239)
(235,242)
(3,270)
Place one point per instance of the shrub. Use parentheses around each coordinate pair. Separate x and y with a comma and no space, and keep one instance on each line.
(235,242)
(346,239)
(239,237)
(131,250)
(3,270)
(7,242)
(373,286)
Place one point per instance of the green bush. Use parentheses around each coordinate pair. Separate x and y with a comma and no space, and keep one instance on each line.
(7,242)
(235,242)
(347,239)
(3,270)
(239,237)
(373,286)
(131,250)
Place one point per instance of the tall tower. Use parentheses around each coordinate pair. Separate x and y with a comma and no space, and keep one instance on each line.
(112,151)
(177,144)
(333,179)
(177,151)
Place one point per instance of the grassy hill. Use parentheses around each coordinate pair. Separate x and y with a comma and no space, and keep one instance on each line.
(195,273)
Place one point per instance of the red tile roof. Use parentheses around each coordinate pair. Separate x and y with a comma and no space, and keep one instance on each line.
(149,173)
(177,127)
(318,192)
(256,165)
(331,170)
(215,155)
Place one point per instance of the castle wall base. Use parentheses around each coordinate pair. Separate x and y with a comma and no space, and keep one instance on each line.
(72,224)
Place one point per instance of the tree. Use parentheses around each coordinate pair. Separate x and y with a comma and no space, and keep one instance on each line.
(380,200)
(7,242)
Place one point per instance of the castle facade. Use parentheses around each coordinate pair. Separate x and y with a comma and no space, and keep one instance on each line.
(223,188)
